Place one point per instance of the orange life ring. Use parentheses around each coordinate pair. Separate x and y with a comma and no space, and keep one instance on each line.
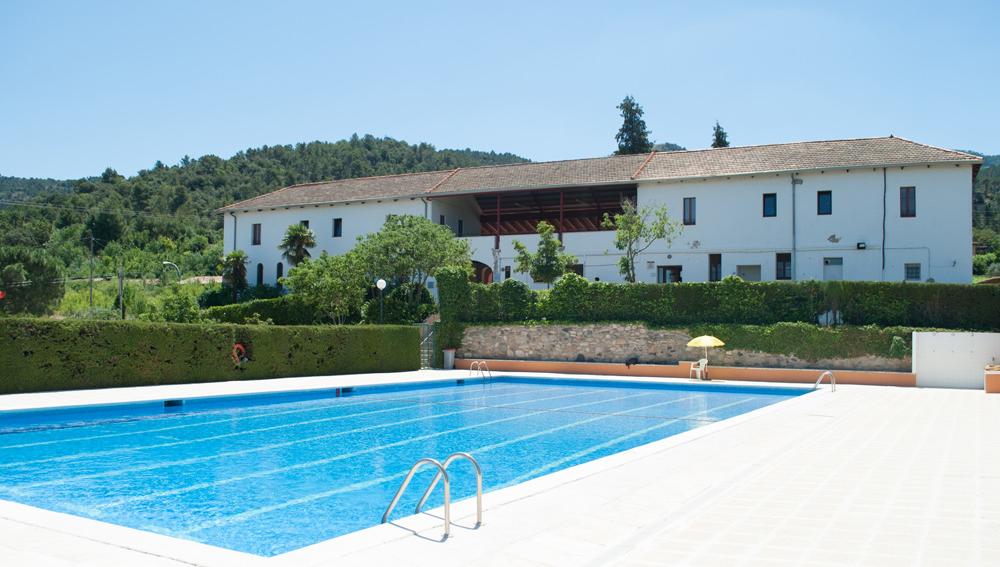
(239,353)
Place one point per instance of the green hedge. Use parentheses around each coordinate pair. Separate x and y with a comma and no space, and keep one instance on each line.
(812,342)
(43,355)
(284,310)
(732,300)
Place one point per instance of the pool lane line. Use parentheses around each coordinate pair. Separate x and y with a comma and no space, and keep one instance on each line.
(192,460)
(404,398)
(249,514)
(340,457)
(562,461)
(246,515)
(75,456)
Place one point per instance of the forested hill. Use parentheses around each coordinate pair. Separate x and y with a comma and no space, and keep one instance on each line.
(166,212)
(986,195)
(22,188)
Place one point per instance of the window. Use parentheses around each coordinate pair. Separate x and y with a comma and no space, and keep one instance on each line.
(912,272)
(714,267)
(783,266)
(338,228)
(689,210)
(668,274)
(304,223)
(260,275)
(461,227)
(280,273)
(575,268)
(908,202)
(748,272)
(441,219)
(255,235)
(770,204)
(824,202)
(506,272)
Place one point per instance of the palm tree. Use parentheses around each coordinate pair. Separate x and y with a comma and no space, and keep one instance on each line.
(295,246)
(234,271)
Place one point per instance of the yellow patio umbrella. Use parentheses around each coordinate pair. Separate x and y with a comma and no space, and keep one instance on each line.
(705,341)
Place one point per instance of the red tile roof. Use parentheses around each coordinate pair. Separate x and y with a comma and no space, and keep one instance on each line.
(720,162)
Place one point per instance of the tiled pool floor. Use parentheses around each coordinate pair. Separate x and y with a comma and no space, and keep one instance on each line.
(864,476)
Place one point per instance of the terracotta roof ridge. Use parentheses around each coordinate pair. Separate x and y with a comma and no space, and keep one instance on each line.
(951,151)
(643,166)
(499,165)
(446,178)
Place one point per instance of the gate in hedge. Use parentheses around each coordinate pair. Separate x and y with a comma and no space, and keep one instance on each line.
(428,344)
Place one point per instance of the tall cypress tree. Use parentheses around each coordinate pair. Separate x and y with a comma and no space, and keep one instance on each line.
(633,137)
(719,137)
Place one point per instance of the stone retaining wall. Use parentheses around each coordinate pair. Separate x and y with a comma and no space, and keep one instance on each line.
(615,342)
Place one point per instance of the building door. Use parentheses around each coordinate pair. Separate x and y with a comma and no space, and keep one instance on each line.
(833,269)
(749,272)
(668,274)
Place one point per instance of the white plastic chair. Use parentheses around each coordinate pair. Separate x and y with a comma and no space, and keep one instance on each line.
(699,369)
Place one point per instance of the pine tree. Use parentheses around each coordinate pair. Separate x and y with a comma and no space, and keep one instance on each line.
(719,137)
(633,137)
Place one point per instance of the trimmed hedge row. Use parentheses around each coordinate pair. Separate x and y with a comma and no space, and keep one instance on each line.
(44,355)
(812,342)
(284,310)
(732,300)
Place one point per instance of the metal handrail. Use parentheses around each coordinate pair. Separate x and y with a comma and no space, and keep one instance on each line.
(482,367)
(479,484)
(833,381)
(442,472)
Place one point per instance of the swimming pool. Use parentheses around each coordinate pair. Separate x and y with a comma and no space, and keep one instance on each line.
(270,473)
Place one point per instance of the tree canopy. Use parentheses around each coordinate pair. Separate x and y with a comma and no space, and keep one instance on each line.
(719,137)
(166,212)
(548,261)
(633,136)
(296,243)
(636,230)
(334,285)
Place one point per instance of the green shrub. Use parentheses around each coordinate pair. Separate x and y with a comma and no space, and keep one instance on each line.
(43,355)
(516,301)
(396,307)
(569,299)
(454,294)
(484,304)
(216,295)
(812,342)
(981,263)
(735,301)
(284,310)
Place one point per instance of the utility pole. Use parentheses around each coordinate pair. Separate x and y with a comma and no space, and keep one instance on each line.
(121,290)
(92,270)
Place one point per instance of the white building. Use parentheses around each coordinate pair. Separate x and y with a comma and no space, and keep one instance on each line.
(883,209)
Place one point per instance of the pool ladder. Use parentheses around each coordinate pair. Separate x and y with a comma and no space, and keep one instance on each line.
(442,473)
(483,368)
(833,381)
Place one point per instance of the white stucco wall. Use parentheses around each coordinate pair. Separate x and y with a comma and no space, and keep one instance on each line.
(730,222)
(953,360)
(358,219)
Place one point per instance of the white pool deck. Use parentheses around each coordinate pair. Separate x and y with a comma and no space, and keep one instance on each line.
(863,476)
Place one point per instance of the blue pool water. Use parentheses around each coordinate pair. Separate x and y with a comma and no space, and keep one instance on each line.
(268,474)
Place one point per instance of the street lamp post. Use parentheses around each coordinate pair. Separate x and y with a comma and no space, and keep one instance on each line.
(166,263)
(380,284)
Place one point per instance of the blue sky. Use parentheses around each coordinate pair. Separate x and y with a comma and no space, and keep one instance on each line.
(87,85)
